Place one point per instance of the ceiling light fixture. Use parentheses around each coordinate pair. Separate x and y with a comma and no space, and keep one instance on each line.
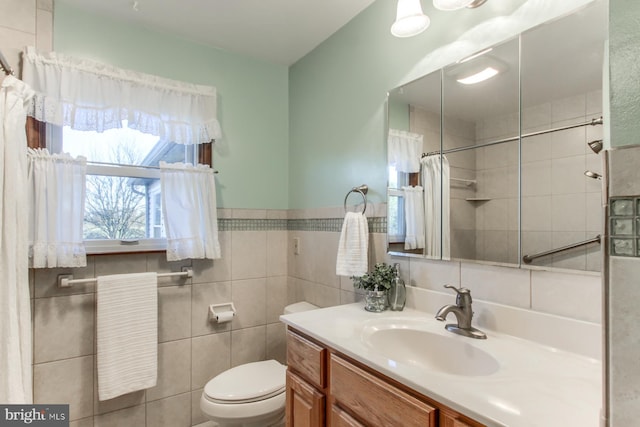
(457,4)
(451,4)
(481,76)
(410,20)
(476,3)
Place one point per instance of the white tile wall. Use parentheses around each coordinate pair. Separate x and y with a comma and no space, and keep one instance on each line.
(569,295)
(192,349)
(509,286)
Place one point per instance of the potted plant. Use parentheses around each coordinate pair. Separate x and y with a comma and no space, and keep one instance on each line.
(376,283)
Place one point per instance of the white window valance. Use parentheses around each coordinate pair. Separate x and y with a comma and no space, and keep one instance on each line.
(88,95)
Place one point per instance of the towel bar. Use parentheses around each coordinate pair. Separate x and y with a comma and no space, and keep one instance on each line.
(66,280)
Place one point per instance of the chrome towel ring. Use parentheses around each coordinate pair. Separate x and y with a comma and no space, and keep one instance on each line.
(362,189)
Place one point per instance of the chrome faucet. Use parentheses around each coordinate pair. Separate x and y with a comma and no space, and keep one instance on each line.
(463,312)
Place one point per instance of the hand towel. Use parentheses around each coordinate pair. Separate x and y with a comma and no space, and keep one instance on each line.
(353,246)
(127,333)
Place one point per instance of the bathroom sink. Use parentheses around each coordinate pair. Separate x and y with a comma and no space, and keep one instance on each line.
(409,343)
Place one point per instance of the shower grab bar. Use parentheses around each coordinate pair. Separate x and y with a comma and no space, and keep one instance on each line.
(592,122)
(528,258)
(467,182)
(66,280)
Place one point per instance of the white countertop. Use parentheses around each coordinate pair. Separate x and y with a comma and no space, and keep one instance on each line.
(534,386)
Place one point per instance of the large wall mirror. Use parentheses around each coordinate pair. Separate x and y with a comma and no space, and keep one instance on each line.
(495,158)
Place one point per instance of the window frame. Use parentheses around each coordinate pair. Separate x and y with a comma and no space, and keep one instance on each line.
(38,136)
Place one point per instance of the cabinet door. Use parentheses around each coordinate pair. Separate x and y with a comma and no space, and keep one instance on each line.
(305,404)
(340,418)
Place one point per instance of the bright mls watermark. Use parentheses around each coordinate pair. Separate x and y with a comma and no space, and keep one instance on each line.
(34,415)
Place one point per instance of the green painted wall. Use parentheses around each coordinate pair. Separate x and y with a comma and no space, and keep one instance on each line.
(252,155)
(338,91)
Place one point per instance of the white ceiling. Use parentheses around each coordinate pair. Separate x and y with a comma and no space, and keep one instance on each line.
(279,31)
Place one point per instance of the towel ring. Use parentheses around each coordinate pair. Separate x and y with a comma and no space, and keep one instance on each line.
(362,189)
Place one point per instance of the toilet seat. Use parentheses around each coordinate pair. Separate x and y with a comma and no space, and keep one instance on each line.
(247,383)
(250,394)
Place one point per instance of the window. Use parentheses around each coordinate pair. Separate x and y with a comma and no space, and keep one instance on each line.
(395,200)
(123,206)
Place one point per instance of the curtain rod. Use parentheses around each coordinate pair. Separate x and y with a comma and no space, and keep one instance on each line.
(592,122)
(130,166)
(5,65)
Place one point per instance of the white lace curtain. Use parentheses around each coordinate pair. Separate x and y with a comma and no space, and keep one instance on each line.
(88,95)
(189,208)
(56,198)
(414,217)
(404,150)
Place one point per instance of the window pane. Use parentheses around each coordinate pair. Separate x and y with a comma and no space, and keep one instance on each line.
(119,208)
(395,219)
(124,146)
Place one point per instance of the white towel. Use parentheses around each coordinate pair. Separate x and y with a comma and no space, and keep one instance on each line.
(353,246)
(127,329)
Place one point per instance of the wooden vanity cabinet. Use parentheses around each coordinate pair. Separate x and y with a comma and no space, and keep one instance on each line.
(325,388)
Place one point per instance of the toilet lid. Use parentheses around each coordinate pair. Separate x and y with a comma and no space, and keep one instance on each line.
(248,382)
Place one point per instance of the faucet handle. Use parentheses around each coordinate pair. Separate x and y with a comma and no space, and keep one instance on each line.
(459,291)
(463,297)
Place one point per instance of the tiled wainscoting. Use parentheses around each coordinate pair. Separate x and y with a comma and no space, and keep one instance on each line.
(191,349)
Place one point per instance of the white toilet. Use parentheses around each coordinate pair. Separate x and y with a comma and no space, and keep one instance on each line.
(249,395)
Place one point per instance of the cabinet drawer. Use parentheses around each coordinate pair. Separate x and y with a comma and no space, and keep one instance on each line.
(307,358)
(375,401)
(340,418)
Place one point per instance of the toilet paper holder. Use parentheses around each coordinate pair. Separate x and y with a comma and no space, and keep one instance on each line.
(224,312)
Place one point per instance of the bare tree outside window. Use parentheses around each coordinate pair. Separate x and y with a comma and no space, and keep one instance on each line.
(115,207)
(122,201)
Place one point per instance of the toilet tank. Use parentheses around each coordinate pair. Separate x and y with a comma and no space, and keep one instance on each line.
(299,307)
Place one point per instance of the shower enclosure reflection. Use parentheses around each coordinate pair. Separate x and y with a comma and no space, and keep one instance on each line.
(521,147)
